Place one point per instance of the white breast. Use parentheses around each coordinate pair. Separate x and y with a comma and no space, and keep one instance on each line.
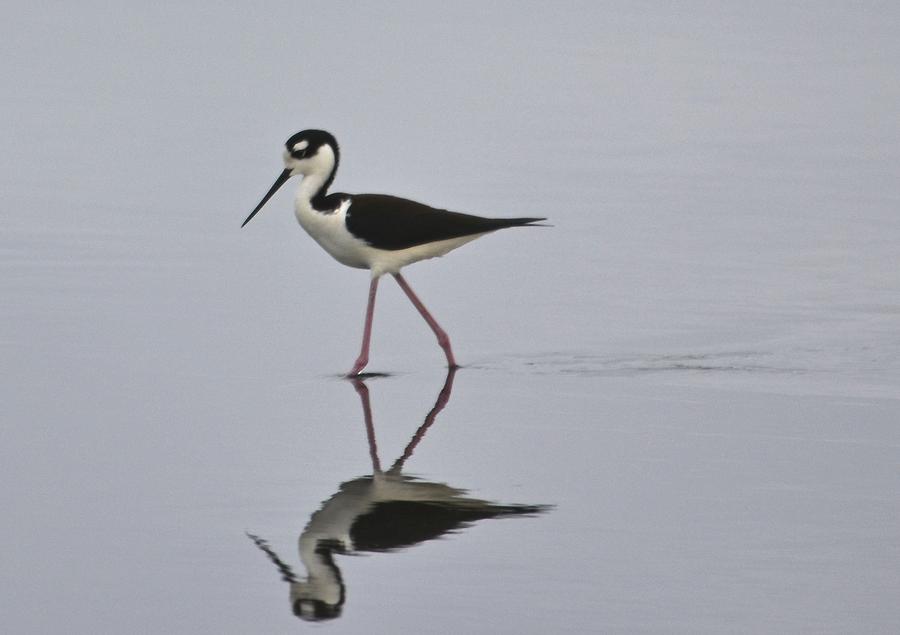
(330,231)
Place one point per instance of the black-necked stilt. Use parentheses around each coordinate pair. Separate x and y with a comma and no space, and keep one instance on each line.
(373,231)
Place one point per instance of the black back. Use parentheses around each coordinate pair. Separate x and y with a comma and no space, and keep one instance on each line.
(392,223)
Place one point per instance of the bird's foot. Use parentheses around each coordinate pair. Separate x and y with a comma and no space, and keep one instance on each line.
(357,367)
(451,361)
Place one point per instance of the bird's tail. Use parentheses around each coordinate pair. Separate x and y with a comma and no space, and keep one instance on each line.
(520,222)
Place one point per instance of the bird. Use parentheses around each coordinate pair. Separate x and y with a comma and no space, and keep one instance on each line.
(378,232)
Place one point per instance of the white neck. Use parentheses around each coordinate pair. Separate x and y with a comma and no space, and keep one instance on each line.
(322,165)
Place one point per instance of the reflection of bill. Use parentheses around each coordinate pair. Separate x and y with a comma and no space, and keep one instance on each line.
(382,512)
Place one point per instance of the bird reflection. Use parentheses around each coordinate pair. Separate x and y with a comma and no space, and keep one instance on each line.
(383,512)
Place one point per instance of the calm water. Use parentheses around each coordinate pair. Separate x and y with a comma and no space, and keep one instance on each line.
(679,406)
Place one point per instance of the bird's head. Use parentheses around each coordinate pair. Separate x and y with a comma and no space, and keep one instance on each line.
(309,152)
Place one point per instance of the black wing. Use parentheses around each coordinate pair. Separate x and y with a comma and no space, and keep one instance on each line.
(388,222)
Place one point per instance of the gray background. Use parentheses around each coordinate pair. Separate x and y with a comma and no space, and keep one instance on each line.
(699,365)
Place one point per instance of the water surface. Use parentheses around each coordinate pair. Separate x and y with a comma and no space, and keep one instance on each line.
(678,407)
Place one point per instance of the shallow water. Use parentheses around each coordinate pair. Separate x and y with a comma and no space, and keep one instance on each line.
(678,406)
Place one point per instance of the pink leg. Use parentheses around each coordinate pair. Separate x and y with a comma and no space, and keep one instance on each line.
(363,358)
(442,338)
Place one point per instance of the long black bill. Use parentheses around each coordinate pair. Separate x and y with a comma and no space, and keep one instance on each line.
(284,176)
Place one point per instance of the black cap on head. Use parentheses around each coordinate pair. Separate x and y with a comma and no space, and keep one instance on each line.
(314,139)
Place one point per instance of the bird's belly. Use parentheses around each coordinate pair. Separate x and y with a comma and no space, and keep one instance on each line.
(391,261)
(345,249)
(330,232)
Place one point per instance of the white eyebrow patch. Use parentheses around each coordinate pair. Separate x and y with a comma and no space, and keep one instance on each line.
(302,145)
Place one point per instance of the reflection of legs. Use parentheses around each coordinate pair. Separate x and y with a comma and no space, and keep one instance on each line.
(363,391)
(442,400)
(363,358)
(442,338)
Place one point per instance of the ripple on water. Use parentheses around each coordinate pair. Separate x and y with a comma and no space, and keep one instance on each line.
(591,365)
